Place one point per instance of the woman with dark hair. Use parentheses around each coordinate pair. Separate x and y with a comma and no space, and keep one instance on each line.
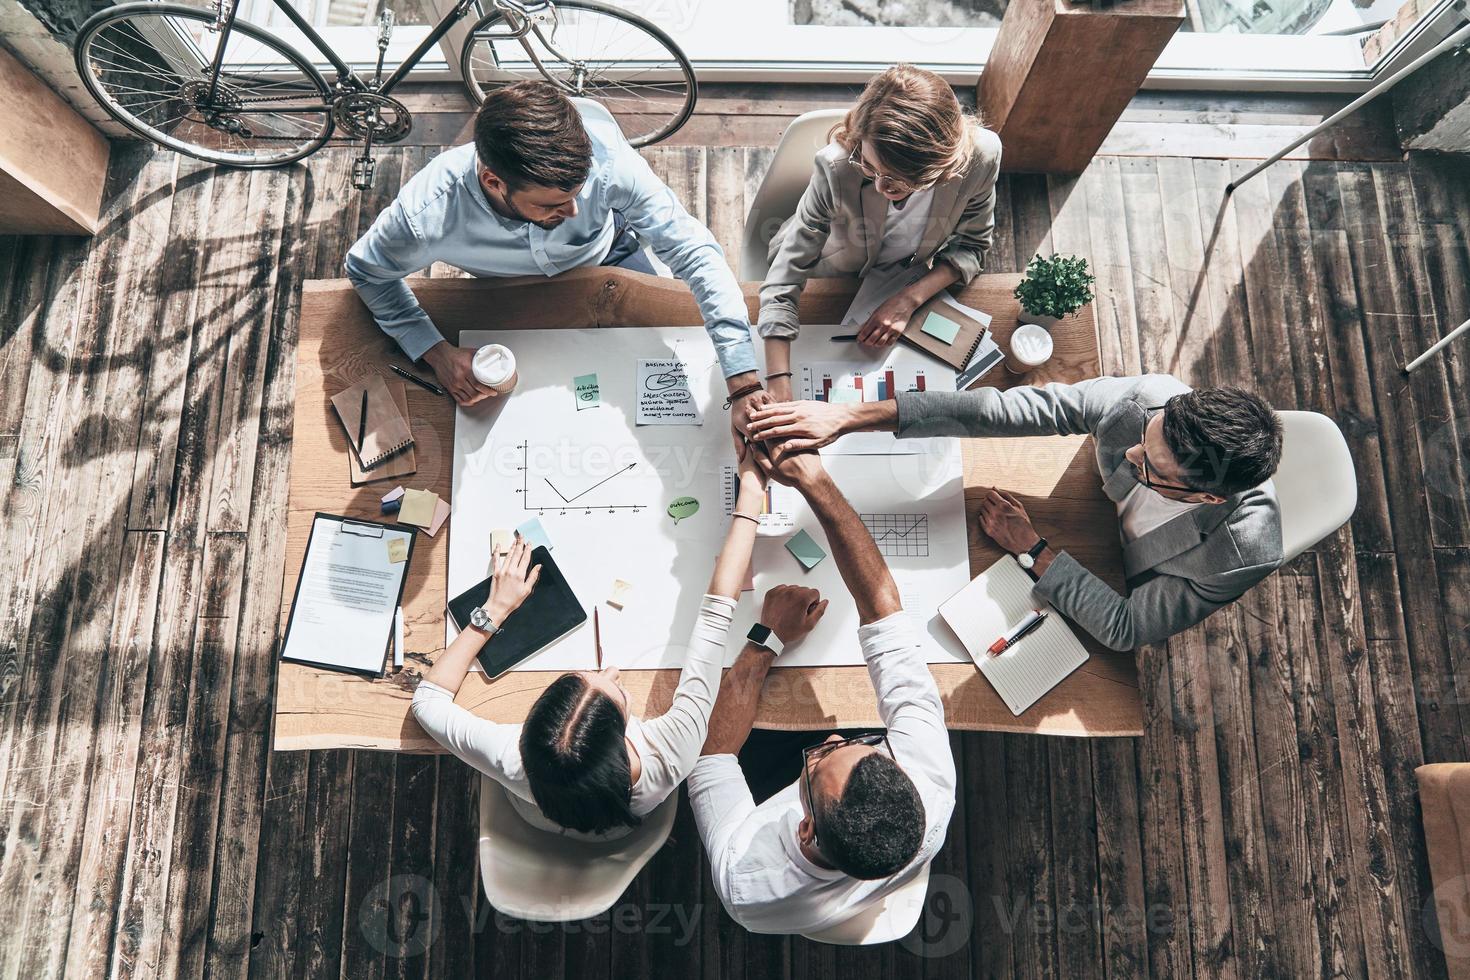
(583,762)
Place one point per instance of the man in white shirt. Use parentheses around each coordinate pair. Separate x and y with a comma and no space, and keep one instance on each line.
(866,815)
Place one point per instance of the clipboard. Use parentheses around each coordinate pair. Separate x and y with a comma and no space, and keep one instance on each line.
(347,593)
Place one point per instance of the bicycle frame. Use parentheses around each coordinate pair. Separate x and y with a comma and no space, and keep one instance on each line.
(346,75)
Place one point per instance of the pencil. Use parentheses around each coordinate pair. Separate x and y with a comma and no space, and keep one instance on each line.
(597,636)
(426,385)
(362,425)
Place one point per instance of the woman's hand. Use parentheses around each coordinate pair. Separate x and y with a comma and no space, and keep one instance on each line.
(888,320)
(511,584)
(795,427)
(751,474)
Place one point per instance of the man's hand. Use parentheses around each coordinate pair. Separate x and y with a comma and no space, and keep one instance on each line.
(511,586)
(791,611)
(799,470)
(454,367)
(797,427)
(740,410)
(888,320)
(1006,521)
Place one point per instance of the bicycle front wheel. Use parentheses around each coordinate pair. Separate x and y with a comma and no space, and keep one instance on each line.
(592,50)
(151,66)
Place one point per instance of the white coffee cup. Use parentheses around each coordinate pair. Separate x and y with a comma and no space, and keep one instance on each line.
(495,367)
(1030,348)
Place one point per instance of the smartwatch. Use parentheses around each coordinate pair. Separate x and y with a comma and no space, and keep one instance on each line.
(764,636)
(1027,559)
(481,620)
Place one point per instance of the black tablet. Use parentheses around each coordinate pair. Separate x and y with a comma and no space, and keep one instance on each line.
(548,614)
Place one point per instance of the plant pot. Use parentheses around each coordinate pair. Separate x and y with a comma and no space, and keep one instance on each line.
(1043,321)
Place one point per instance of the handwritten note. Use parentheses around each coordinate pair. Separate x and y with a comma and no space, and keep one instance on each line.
(664,397)
(589,395)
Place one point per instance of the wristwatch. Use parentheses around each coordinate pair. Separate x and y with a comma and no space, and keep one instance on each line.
(764,636)
(481,620)
(1027,559)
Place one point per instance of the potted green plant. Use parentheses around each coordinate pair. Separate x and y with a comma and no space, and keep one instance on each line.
(1054,288)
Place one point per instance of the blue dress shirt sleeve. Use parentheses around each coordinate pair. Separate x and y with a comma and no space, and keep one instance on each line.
(377,265)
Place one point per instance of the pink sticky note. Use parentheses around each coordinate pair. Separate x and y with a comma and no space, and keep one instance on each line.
(392,495)
(441,514)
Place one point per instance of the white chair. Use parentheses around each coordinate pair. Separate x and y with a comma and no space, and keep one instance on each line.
(1316,483)
(781,187)
(538,875)
(883,922)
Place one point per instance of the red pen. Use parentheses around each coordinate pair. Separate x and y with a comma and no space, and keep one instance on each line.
(1032,620)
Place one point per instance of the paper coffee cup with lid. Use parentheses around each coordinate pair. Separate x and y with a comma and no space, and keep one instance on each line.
(1030,348)
(495,367)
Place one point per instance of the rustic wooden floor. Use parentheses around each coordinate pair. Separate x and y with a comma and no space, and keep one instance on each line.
(1266,826)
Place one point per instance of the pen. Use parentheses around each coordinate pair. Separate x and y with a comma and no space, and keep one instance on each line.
(362,425)
(426,385)
(597,636)
(843,337)
(1032,620)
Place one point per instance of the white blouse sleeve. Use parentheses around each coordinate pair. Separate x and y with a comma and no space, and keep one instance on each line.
(492,748)
(677,736)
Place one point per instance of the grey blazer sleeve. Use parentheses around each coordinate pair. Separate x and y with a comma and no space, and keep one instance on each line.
(1025,410)
(802,238)
(966,248)
(1156,610)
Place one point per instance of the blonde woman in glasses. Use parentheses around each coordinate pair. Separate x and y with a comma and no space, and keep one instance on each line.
(908,180)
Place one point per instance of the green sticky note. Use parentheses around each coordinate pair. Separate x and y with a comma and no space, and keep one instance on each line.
(533,532)
(586,390)
(842,396)
(941,327)
(683,507)
(805,550)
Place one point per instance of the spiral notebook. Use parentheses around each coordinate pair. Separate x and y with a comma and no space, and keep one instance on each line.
(985,610)
(969,332)
(387,443)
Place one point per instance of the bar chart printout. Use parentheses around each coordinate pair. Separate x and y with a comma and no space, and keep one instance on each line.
(838,384)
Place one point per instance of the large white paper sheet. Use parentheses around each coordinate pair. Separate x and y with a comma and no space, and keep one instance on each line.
(600,484)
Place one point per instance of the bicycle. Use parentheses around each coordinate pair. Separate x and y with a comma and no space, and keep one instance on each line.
(198,81)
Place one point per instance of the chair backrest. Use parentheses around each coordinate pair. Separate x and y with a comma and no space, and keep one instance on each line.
(788,175)
(541,876)
(882,922)
(1316,483)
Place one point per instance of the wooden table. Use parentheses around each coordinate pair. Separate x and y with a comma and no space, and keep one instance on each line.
(339,344)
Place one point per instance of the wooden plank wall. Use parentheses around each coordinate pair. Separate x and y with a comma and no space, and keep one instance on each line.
(1266,825)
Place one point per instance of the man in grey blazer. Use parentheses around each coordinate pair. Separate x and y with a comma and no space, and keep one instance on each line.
(1190,472)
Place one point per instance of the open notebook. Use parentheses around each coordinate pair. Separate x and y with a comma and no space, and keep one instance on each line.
(986,609)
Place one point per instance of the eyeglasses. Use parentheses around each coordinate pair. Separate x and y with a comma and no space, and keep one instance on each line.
(883,181)
(1143,445)
(810,757)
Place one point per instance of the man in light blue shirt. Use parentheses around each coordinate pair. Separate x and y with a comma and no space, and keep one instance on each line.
(549,184)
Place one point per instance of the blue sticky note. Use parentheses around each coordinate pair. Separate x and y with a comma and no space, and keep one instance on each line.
(588,394)
(805,550)
(533,532)
(941,327)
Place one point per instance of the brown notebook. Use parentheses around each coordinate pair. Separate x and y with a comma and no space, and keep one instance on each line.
(387,443)
(967,340)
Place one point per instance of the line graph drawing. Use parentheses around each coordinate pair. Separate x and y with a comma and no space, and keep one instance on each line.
(564,498)
(899,535)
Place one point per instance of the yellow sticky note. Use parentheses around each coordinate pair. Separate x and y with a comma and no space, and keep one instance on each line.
(397,550)
(500,541)
(619,597)
(418,507)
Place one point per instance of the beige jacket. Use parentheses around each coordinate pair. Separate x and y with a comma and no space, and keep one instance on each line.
(839,204)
